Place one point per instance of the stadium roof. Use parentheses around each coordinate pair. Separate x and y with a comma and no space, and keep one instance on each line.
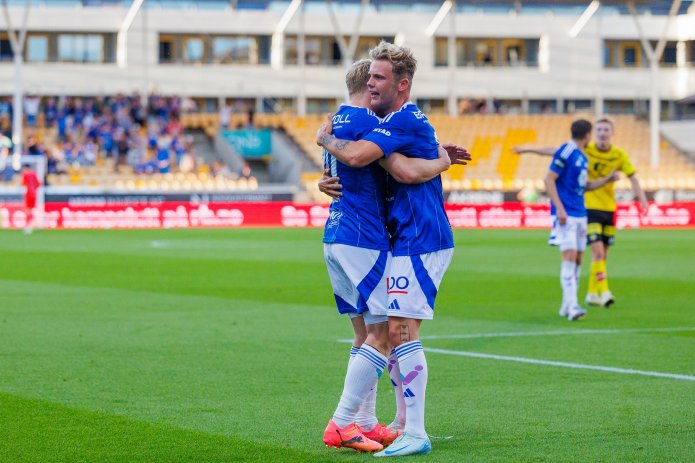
(655,7)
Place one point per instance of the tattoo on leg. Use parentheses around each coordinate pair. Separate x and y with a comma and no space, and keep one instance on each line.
(405,333)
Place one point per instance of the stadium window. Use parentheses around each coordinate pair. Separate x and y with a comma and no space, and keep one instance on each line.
(312,46)
(364,44)
(37,49)
(514,52)
(608,54)
(81,48)
(573,106)
(669,57)
(167,49)
(630,53)
(193,50)
(321,105)
(241,50)
(441,53)
(291,51)
(541,106)
(5,48)
(690,52)
(432,106)
(619,106)
(485,52)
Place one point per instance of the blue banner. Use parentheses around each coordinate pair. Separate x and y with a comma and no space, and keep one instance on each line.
(249,143)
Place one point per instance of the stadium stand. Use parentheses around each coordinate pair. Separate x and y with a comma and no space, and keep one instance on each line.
(492,75)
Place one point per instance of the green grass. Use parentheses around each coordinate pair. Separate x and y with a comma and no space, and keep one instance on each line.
(222,345)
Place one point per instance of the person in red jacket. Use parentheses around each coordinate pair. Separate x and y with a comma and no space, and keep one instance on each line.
(31,183)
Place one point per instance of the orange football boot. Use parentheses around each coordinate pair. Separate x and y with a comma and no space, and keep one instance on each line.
(350,436)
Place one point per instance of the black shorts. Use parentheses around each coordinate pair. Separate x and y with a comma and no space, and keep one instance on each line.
(601,227)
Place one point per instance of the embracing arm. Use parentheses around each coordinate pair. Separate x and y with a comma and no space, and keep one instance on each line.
(352,153)
(416,170)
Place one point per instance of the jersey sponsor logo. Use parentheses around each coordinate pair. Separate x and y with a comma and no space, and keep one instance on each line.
(394,305)
(334,219)
(397,285)
(559,163)
(341,119)
(419,114)
(383,131)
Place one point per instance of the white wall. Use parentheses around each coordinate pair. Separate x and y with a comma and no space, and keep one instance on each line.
(575,66)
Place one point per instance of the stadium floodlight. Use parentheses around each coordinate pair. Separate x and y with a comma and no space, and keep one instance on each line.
(439,17)
(584,18)
(121,48)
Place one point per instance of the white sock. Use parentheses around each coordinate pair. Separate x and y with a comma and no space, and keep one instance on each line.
(366,414)
(413,365)
(397,382)
(568,281)
(363,373)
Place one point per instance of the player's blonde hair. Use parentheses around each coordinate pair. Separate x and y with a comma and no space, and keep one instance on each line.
(357,77)
(402,59)
(605,120)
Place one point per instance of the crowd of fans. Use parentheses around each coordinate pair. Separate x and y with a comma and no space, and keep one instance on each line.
(123,129)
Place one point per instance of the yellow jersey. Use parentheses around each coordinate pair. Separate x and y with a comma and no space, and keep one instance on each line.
(601,163)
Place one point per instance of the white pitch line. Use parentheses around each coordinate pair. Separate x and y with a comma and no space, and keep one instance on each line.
(556,333)
(514,334)
(561,364)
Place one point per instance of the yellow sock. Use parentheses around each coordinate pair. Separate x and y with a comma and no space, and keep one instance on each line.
(601,277)
(593,283)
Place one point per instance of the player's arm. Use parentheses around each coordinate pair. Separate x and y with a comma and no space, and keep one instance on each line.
(352,153)
(544,151)
(551,190)
(638,191)
(599,182)
(330,185)
(417,170)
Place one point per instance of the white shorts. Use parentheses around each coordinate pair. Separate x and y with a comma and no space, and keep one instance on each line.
(572,235)
(413,283)
(357,277)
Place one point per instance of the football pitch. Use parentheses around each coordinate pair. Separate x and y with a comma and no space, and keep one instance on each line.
(224,345)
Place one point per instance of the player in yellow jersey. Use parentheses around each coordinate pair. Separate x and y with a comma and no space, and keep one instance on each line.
(604,158)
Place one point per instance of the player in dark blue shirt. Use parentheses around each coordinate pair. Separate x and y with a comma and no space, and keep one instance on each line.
(565,183)
(356,250)
(422,241)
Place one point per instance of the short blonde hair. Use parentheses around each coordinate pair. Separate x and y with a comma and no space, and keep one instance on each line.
(402,59)
(357,77)
(605,120)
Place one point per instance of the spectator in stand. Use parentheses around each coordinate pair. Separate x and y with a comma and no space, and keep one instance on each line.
(34,147)
(6,108)
(245,171)
(225,115)
(31,109)
(163,156)
(50,112)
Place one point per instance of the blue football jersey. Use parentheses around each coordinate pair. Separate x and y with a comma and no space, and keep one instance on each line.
(416,218)
(571,165)
(359,217)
